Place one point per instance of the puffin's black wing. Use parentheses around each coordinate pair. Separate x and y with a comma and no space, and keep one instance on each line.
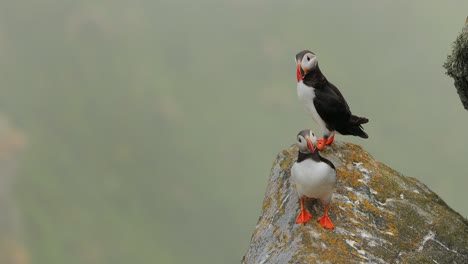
(334,111)
(332,107)
(338,93)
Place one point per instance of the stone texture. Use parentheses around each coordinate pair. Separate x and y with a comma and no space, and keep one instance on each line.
(457,65)
(380,216)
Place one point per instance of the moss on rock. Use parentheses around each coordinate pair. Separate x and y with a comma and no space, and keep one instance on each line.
(457,65)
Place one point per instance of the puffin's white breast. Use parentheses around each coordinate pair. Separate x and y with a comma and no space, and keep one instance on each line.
(313,179)
(306,95)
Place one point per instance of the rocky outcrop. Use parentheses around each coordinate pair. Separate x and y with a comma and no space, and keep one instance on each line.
(380,216)
(457,65)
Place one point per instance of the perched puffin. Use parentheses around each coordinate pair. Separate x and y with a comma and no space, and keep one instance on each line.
(314,177)
(324,101)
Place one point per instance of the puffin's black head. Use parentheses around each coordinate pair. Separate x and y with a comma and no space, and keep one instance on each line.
(306,140)
(306,62)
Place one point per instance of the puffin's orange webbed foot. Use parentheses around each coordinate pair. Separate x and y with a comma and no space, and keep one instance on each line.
(303,217)
(325,221)
(320,143)
(330,139)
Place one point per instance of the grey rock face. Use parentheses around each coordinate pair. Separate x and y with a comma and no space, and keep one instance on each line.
(380,216)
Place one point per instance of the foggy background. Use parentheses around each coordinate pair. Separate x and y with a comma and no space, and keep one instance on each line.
(144,131)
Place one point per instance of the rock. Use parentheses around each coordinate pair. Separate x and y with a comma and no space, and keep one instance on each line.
(457,65)
(380,216)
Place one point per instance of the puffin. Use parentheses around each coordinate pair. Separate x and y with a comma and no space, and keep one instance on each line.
(324,102)
(314,177)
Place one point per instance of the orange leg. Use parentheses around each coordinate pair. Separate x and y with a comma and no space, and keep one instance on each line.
(320,143)
(324,220)
(304,215)
(330,139)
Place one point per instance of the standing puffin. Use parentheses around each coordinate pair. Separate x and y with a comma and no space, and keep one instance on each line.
(324,101)
(314,177)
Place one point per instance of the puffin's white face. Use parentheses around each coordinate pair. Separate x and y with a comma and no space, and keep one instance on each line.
(306,142)
(307,63)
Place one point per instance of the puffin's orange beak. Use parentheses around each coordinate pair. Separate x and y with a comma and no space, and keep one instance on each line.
(310,145)
(298,71)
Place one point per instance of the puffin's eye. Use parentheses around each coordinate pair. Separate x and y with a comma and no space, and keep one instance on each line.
(300,140)
(308,59)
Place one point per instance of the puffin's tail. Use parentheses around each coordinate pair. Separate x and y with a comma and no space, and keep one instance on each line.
(354,127)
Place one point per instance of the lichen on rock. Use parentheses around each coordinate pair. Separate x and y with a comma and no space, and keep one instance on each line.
(380,216)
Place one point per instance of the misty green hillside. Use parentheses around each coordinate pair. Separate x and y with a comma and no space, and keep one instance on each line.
(151,126)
